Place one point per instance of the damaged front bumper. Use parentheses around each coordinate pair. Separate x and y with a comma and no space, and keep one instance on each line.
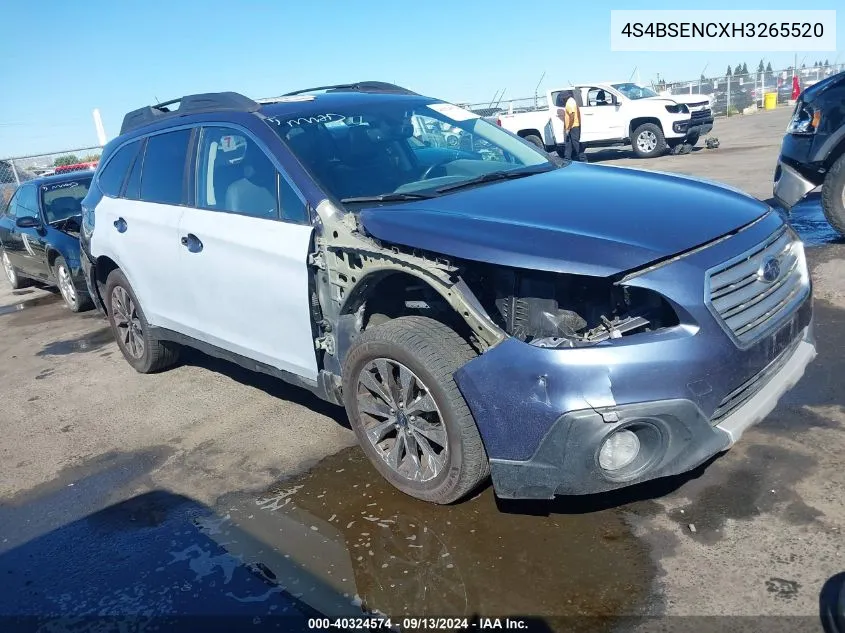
(544,414)
(790,187)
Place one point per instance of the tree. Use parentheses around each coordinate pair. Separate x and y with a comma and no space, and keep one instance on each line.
(769,67)
(803,65)
(744,68)
(90,158)
(826,63)
(67,159)
(729,73)
(761,66)
(702,78)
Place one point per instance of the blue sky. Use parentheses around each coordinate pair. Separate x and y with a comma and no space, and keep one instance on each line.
(62,59)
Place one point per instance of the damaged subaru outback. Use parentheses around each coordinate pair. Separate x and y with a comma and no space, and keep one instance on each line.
(477,309)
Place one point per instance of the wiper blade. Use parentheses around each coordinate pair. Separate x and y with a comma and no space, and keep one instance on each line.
(389,197)
(493,176)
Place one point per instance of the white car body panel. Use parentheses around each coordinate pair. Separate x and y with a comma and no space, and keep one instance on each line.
(147,253)
(246,291)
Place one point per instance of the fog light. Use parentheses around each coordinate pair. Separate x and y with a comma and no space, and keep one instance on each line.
(619,450)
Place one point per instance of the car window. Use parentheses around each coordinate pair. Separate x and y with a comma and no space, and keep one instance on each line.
(164,167)
(234,174)
(112,177)
(292,207)
(27,202)
(599,97)
(11,209)
(133,184)
(62,200)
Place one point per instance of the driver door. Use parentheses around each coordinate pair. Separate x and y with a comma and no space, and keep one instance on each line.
(26,246)
(601,119)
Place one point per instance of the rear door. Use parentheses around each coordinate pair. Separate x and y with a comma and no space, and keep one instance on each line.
(244,249)
(145,196)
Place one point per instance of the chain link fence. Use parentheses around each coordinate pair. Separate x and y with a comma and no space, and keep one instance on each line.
(17,169)
(734,94)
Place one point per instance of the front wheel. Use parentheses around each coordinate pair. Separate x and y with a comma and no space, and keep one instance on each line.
(76,301)
(833,195)
(139,346)
(407,412)
(648,141)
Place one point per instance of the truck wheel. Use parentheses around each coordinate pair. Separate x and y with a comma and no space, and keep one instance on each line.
(648,141)
(407,412)
(76,301)
(535,140)
(833,195)
(139,346)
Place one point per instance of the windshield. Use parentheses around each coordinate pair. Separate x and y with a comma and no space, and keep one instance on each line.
(404,147)
(633,91)
(63,200)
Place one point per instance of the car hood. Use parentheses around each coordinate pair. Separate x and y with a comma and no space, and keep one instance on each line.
(694,99)
(581,219)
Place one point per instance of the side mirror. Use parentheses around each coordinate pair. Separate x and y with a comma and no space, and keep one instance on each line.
(27,222)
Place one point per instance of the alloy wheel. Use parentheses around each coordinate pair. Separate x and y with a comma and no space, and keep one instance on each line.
(66,286)
(127,322)
(647,141)
(11,275)
(401,420)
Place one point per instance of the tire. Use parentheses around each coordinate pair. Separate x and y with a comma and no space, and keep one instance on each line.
(652,143)
(833,195)
(13,276)
(693,139)
(535,140)
(130,326)
(430,352)
(75,300)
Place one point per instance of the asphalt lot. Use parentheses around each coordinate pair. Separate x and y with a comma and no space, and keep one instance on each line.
(210,490)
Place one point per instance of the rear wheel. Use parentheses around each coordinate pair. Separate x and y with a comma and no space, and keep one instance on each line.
(139,346)
(833,195)
(410,418)
(15,280)
(535,140)
(648,141)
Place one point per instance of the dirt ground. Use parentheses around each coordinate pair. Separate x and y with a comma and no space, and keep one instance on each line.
(209,476)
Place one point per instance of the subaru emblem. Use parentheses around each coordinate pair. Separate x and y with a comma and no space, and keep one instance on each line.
(770,270)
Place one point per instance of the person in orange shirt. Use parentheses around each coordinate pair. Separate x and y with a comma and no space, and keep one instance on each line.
(569,112)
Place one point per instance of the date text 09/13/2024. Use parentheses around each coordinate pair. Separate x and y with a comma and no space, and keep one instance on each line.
(427,623)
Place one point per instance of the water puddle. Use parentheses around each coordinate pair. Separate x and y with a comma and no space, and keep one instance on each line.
(87,343)
(807,218)
(29,303)
(358,541)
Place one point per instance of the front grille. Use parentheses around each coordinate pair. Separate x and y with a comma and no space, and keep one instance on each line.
(701,114)
(745,302)
(750,387)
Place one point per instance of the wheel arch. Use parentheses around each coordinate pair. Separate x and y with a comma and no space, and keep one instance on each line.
(638,121)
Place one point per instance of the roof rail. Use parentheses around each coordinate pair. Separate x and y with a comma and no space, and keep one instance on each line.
(189,104)
(361,86)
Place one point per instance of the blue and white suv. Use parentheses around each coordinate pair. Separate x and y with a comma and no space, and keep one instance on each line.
(571,329)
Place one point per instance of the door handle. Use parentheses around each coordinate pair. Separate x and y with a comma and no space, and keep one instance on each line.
(120,225)
(192,243)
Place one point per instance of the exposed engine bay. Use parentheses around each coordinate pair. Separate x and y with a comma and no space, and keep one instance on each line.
(559,310)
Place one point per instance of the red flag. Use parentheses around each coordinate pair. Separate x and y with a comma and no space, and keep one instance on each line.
(796,89)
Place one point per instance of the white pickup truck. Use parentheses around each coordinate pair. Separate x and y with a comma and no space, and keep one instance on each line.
(617,114)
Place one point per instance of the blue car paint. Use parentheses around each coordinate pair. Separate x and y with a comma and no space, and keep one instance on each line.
(580,219)
(695,361)
(54,241)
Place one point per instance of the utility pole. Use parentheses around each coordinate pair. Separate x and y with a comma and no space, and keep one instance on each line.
(537,88)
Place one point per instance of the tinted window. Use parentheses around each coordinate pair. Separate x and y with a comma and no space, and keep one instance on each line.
(112,177)
(164,167)
(133,185)
(234,174)
(27,202)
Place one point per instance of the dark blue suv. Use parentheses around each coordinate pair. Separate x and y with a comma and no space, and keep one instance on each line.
(476,307)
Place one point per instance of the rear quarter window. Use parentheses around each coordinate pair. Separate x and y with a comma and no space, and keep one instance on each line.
(114,173)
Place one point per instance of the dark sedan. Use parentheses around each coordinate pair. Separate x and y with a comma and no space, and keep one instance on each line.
(39,236)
